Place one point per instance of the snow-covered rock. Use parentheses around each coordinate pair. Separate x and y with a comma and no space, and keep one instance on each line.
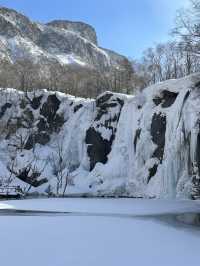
(60,41)
(146,145)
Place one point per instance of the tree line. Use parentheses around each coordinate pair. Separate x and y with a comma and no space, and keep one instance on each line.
(26,75)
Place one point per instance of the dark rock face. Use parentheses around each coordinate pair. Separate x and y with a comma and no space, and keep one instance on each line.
(197,84)
(198,153)
(157,100)
(152,172)
(166,99)
(36,102)
(99,147)
(137,136)
(194,167)
(158,129)
(104,98)
(195,172)
(42,125)
(49,112)
(57,123)
(38,128)
(50,107)
(49,122)
(77,107)
(4,108)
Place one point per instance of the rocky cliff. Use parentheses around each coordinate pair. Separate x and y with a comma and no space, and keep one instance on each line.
(84,30)
(146,145)
(60,41)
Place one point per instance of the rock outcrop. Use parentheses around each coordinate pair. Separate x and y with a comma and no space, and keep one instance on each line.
(84,30)
(61,41)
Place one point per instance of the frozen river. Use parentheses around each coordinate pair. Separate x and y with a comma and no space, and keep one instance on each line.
(60,232)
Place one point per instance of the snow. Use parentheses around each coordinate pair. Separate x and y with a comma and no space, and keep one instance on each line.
(19,47)
(126,172)
(69,59)
(84,240)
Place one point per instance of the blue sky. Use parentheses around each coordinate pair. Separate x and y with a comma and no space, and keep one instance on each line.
(126,26)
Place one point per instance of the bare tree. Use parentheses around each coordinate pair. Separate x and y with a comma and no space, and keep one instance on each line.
(165,61)
(188,27)
(59,167)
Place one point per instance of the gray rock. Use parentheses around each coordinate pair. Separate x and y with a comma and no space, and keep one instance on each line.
(58,37)
(85,30)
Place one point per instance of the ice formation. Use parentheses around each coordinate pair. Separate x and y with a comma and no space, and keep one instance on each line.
(145,145)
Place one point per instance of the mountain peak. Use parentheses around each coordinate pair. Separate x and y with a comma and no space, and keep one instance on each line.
(85,30)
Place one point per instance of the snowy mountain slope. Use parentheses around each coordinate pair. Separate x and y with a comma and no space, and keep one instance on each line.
(143,146)
(59,41)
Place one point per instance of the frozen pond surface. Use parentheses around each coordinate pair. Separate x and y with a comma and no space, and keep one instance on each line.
(59,232)
(174,219)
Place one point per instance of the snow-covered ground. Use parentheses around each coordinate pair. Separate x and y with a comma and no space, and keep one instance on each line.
(98,239)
